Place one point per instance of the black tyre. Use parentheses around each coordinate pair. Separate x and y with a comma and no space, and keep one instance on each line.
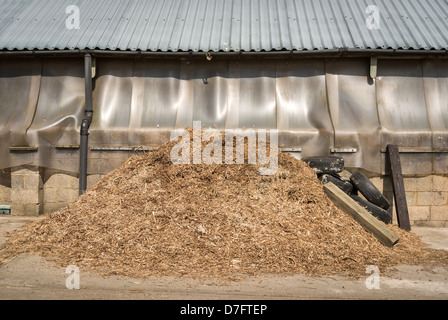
(368,190)
(376,211)
(325,164)
(340,182)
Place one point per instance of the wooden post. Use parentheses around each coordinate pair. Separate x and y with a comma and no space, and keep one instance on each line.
(398,186)
(360,214)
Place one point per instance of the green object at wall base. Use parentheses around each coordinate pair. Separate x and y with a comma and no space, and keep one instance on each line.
(4,209)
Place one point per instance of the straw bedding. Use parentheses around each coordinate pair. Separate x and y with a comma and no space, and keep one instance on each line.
(150,217)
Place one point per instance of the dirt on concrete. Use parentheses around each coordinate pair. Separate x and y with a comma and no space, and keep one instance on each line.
(154,217)
(29,276)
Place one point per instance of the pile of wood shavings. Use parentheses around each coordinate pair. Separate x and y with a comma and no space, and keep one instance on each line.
(151,217)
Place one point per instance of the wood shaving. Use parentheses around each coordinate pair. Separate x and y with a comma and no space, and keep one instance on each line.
(150,217)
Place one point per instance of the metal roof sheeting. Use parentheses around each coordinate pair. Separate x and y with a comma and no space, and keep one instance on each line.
(223,25)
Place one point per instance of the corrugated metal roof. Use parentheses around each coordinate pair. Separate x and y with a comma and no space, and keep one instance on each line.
(223,25)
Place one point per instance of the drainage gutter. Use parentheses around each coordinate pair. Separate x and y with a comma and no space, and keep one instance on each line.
(330,53)
(85,124)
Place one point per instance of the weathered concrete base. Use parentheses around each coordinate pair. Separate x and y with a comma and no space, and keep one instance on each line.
(5,186)
(59,190)
(29,276)
(427,198)
(26,191)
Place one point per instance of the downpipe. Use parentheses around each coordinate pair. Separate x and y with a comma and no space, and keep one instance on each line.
(85,124)
(83,152)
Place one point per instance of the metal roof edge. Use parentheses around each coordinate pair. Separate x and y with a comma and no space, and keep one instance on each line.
(341,52)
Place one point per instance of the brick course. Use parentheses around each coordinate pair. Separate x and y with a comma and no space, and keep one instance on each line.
(439,213)
(59,191)
(440,183)
(427,198)
(433,198)
(418,183)
(26,192)
(419,213)
(5,195)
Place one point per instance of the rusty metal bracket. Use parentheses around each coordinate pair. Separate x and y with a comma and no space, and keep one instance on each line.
(66,147)
(122,148)
(23,149)
(418,150)
(290,149)
(343,150)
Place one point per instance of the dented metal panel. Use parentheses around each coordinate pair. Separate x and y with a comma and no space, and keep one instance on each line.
(41,104)
(353,108)
(319,107)
(435,82)
(403,112)
(303,120)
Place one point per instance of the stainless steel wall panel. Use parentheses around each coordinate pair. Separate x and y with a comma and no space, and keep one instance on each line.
(257,102)
(353,109)
(401,103)
(251,102)
(41,101)
(317,105)
(155,94)
(58,112)
(403,113)
(112,101)
(209,84)
(19,92)
(184,117)
(60,104)
(303,119)
(113,94)
(435,80)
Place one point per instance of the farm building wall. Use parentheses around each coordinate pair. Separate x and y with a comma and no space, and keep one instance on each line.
(318,106)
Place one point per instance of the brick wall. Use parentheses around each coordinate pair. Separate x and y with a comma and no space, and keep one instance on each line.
(59,190)
(5,187)
(427,198)
(26,191)
(33,191)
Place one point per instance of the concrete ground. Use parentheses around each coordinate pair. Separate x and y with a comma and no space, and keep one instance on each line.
(32,277)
